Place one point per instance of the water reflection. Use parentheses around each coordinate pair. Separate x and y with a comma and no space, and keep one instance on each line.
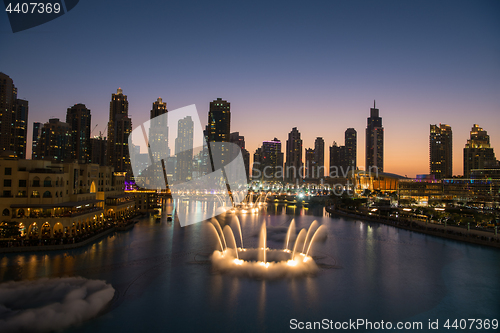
(378,272)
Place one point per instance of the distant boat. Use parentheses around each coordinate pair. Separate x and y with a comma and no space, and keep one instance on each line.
(157,215)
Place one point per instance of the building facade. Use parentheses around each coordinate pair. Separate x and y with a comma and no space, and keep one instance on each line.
(37,132)
(13,119)
(441,151)
(272,161)
(374,142)
(78,118)
(119,129)
(477,151)
(351,148)
(319,158)
(219,121)
(294,164)
(48,199)
(55,142)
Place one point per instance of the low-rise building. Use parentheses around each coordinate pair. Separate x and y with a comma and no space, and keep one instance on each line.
(49,199)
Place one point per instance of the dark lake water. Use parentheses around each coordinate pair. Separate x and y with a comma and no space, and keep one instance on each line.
(373,272)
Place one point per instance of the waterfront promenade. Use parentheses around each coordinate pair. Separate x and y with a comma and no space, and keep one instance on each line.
(474,236)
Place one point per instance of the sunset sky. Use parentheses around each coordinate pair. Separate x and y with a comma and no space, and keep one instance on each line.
(314,65)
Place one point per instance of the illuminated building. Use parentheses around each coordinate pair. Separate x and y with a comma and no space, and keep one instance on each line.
(13,119)
(55,142)
(374,142)
(272,160)
(441,151)
(37,132)
(51,199)
(78,118)
(219,121)
(477,151)
(119,128)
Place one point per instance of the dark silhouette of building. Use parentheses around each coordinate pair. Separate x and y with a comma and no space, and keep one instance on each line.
(98,150)
(441,151)
(13,119)
(374,142)
(343,158)
(338,164)
(55,142)
(119,128)
(319,158)
(477,151)
(294,164)
(37,131)
(272,160)
(239,140)
(351,148)
(219,121)
(311,169)
(257,164)
(78,118)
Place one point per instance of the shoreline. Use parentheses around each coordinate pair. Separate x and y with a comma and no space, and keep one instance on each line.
(38,248)
(449,232)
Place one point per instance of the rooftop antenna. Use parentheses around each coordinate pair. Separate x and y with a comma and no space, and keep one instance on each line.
(374,104)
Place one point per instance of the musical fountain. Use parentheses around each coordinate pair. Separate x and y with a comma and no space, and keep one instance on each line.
(263,262)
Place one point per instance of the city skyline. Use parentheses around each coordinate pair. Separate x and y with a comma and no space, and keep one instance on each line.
(316,67)
(326,152)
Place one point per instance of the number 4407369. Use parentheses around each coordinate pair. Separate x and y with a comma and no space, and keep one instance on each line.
(34,7)
(479,324)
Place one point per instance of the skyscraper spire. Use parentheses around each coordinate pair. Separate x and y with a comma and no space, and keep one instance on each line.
(374,104)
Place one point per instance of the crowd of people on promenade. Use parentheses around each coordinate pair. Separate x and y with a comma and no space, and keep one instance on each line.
(58,237)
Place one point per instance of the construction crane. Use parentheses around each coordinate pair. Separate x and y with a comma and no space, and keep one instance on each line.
(93,129)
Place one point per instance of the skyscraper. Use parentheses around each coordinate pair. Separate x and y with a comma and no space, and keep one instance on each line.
(311,169)
(351,149)
(158,130)
(184,149)
(219,121)
(239,140)
(272,160)
(294,164)
(119,128)
(55,142)
(477,151)
(257,164)
(98,150)
(338,164)
(441,151)
(319,158)
(374,142)
(78,118)
(37,131)
(13,119)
